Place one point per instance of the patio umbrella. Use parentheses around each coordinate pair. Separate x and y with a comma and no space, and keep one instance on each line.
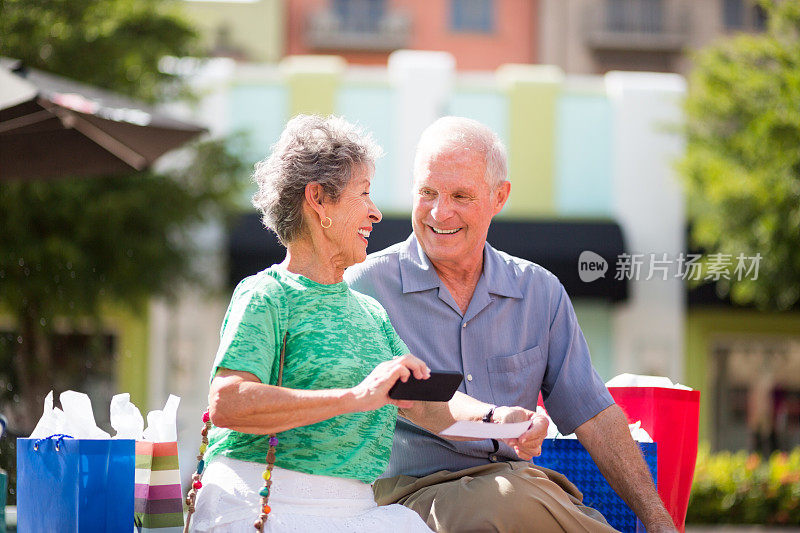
(53,127)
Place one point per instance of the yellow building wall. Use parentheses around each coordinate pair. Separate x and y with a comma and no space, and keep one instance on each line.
(132,336)
(255,27)
(313,83)
(532,92)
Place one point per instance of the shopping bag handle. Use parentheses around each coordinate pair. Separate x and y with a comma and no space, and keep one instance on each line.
(58,437)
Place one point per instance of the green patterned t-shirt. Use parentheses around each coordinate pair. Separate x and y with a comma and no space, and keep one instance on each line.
(336,337)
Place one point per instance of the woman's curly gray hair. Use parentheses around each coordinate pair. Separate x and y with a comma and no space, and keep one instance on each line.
(325,150)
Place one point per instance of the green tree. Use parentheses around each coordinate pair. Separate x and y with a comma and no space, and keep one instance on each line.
(69,248)
(114,44)
(742,165)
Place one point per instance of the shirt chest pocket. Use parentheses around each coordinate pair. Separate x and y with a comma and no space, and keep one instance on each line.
(516,379)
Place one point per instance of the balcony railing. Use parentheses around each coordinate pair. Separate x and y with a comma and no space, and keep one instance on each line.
(327,31)
(648,25)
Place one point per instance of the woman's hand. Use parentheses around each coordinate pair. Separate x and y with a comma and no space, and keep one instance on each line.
(529,444)
(373,392)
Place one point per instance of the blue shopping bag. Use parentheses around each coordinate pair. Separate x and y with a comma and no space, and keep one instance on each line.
(569,457)
(69,485)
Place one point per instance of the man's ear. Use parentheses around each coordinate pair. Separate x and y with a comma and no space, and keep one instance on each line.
(315,196)
(500,195)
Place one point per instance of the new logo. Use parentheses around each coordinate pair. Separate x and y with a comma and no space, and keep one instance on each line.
(591,266)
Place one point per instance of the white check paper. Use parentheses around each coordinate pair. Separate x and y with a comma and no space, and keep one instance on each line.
(486,430)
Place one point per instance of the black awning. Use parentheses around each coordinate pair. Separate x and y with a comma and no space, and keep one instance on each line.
(556,245)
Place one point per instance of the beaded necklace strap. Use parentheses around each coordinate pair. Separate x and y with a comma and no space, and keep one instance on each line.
(273,443)
(267,475)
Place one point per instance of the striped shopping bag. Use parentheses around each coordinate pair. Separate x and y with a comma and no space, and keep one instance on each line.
(158,498)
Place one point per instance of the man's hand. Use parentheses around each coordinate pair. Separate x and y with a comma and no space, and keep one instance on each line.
(529,444)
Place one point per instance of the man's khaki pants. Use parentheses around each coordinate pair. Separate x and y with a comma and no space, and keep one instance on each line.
(503,497)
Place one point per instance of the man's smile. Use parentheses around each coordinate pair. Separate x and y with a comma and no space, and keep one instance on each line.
(444,231)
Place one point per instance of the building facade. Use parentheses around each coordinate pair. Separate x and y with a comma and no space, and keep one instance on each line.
(578,36)
(598,36)
(480,34)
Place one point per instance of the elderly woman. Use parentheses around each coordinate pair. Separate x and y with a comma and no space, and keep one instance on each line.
(332,414)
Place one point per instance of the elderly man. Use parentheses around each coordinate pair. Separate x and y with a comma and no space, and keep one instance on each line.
(509,326)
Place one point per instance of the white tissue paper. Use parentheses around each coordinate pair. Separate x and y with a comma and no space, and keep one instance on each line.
(52,421)
(126,418)
(637,380)
(78,416)
(77,419)
(161,424)
(637,433)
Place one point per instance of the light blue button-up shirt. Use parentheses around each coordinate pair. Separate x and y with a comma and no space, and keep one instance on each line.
(518,336)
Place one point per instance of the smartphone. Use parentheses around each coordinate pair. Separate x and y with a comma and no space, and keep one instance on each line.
(440,387)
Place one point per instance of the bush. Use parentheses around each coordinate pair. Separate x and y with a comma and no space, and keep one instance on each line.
(744,488)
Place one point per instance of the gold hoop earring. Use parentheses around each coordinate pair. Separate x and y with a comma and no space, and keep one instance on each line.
(322,223)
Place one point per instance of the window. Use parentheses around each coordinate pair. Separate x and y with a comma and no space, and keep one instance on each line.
(360,16)
(757,392)
(743,15)
(733,13)
(475,16)
(760,18)
(634,16)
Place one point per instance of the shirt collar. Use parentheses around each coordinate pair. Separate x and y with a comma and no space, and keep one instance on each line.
(500,279)
(417,272)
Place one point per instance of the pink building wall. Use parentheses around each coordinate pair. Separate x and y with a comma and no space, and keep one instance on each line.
(513,40)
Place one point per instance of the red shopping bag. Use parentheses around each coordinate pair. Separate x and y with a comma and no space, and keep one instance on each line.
(670,416)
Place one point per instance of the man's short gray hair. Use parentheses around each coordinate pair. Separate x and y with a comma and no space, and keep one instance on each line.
(460,132)
(325,150)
